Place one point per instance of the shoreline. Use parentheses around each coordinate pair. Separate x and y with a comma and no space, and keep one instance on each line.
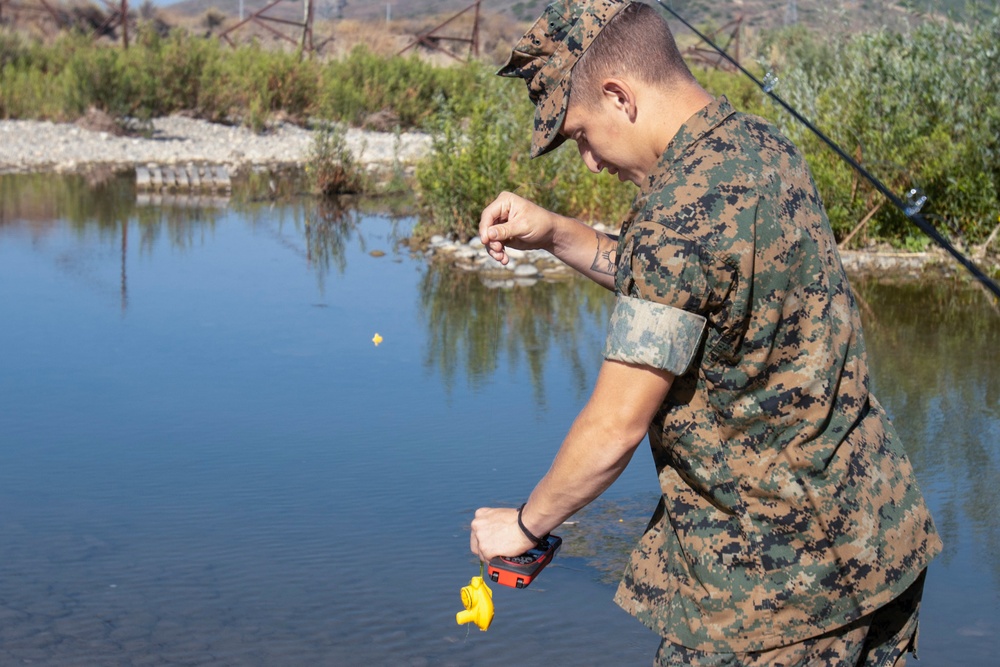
(29,146)
(529,267)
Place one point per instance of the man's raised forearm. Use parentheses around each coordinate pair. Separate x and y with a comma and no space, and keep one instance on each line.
(592,253)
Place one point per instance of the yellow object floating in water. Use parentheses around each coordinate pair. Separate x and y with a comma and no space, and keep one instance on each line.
(478,600)
(377,339)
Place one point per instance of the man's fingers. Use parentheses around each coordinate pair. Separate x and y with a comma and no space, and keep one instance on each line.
(494,214)
(500,256)
(500,232)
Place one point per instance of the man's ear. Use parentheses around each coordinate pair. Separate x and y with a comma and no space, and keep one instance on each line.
(621,95)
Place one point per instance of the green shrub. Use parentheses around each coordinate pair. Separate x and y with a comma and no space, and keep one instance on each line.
(160,75)
(475,158)
(332,168)
(363,83)
(918,110)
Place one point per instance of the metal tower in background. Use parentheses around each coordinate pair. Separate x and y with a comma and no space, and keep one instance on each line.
(432,39)
(303,39)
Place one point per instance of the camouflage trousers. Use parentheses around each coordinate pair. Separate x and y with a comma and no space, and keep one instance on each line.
(880,639)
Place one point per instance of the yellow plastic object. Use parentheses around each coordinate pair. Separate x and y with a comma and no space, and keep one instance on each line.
(376,339)
(478,600)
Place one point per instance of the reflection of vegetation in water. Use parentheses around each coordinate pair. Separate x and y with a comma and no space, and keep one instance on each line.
(42,198)
(469,324)
(935,353)
(318,230)
(101,201)
(328,229)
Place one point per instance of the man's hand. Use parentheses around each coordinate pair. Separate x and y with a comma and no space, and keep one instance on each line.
(512,221)
(495,533)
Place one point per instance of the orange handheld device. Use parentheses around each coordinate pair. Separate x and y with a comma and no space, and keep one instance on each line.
(519,571)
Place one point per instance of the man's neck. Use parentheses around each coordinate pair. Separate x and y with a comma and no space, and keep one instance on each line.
(672,109)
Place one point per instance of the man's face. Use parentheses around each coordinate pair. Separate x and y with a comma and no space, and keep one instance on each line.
(601,138)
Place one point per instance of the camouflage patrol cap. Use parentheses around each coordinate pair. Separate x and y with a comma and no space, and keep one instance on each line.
(545,56)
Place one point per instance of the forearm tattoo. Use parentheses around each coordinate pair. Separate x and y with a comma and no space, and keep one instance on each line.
(606,259)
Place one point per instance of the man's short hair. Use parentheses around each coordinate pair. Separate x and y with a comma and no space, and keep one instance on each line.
(637,43)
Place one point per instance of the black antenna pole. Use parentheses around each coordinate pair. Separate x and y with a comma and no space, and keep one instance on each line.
(911,210)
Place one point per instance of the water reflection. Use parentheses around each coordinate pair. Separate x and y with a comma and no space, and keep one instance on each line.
(101,202)
(470,326)
(936,349)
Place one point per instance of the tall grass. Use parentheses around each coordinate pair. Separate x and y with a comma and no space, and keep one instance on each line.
(413,90)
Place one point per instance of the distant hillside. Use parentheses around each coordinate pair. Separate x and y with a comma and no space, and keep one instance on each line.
(389,26)
(756,13)
(366,9)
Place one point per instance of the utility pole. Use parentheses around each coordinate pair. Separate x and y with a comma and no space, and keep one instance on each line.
(307,23)
(791,13)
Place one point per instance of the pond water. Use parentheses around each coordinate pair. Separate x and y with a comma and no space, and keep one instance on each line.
(205,459)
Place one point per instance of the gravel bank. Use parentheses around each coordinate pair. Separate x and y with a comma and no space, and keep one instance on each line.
(39,146)
(34,146)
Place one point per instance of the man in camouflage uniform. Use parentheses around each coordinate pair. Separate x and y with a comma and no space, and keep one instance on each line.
(790,529)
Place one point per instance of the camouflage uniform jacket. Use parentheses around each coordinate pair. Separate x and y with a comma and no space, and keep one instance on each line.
(788,507)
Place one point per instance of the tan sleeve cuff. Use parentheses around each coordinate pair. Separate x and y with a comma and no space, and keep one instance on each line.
(652,334)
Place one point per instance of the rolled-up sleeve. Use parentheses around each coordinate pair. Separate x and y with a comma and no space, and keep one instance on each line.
(652,334)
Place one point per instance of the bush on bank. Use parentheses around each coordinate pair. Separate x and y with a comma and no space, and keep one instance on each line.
(476,157)
(919,110)
(248,84)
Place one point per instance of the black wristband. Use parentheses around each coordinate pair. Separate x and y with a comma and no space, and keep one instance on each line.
(520,524)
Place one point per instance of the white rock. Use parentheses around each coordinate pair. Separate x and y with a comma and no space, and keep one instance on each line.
(526,271)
